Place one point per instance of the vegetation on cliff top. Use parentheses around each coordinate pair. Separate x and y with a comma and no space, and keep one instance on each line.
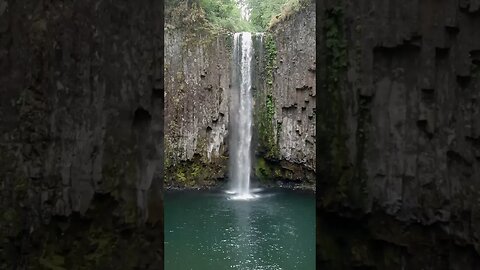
(225,15)
(267,13)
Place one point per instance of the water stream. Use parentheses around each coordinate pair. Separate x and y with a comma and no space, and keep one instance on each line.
(241,116)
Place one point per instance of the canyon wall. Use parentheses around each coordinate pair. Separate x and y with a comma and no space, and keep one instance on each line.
(81,129)
(398,134)
(198,63)
(197,81)
(286,136)
(294,86)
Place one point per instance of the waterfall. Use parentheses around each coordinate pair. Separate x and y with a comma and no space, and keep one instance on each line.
(241,116)
(244,9)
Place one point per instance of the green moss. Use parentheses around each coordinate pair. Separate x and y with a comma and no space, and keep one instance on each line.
(181,177)
(290,8)
(278,172)
(268,171)
(270,106)
(265,112)
(196,172)
(336,48)
(262,170)
(345,179)
(229,41)
(271,57)
(334,161)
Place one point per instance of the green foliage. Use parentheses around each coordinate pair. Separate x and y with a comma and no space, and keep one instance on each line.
(262,170)
(265,13)
(270,106)
(288,9)
(337,166)
(229,42)
(266,113)
(195,172)
(216,15)
(181,177)
(225,14)
(271,54)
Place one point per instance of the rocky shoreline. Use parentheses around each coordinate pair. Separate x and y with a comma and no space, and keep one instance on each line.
(223,185)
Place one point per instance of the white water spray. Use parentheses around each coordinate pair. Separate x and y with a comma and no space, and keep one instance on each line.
(244,9)
(241,116)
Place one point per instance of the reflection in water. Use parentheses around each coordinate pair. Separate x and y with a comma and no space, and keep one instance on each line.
(243,234)
(275,231)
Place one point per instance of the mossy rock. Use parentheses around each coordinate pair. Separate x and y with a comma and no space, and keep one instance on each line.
(197,172)
(263,172)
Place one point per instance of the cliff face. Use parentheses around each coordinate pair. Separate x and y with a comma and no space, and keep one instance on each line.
(294,86)
(291,84)
(198,80)
(197,72)
(399,131)
(81,124)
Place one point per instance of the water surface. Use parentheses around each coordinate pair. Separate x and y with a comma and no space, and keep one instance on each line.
(207,230)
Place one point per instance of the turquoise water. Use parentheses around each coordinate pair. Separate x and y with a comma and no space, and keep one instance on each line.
(206,230)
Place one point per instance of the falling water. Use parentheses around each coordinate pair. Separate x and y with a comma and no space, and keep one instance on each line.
(241,116)
(244,9)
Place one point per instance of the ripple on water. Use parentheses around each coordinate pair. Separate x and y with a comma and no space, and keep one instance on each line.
(276,230)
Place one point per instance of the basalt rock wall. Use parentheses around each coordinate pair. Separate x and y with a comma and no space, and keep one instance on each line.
(198,81)
(81,129)
(398,133)
(287,133)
